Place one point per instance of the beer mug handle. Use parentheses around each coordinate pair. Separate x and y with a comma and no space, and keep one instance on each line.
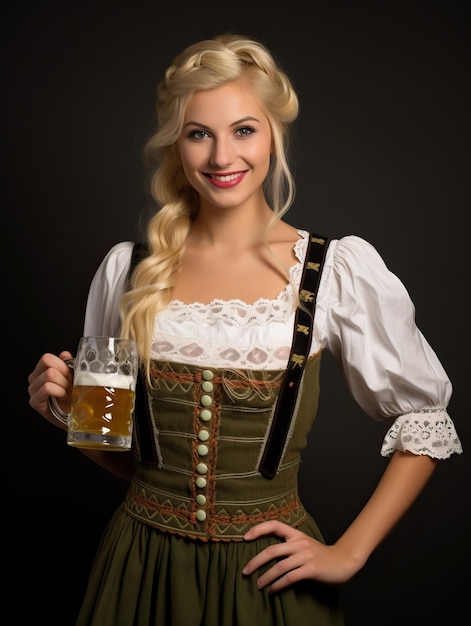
(53,405)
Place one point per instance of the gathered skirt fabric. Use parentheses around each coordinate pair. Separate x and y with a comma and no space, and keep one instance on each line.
(145,577)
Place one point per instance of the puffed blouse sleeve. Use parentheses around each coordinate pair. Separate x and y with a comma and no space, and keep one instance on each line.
(368,323)
(107,286)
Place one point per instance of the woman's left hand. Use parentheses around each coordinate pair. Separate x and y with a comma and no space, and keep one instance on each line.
(298,557)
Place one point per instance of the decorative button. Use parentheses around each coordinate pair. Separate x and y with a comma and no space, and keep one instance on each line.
(201,499)
(200,515)
(202,449)
(201,482)
(205,415)
(203,435)
(206,400)
(207,386)
(202,468)
(207,375)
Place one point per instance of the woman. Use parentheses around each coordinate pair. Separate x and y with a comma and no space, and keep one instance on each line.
(212,531)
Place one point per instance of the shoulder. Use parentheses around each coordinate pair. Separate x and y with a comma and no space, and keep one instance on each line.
(106,289)
(357,271)
(303,237)
(119,254)
(353,253)
(116,262)
(120,251)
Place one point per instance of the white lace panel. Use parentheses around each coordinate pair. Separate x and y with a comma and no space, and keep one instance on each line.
(231,333)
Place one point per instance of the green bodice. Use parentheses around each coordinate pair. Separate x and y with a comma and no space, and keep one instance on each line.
(207,429)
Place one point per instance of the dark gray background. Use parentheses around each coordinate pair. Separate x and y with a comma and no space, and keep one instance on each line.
(382,151)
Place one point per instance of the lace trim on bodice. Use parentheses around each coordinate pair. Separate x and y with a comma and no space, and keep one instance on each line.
(233,312)
(231,333)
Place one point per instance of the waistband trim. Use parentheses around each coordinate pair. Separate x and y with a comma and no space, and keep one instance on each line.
(170,515)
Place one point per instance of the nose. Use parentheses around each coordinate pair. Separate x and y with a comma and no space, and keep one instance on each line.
(222,153)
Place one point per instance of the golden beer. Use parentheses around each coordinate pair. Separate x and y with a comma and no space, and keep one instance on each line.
(102,410)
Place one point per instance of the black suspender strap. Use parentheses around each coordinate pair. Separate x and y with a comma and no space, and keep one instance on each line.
(142,418)
(302,338)
(139,251)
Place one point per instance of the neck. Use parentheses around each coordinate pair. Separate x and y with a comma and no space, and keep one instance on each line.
(231,228)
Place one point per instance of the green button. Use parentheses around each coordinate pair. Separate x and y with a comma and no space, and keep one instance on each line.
(200,482)
(200,515)
(205,415)
(201,499)
(207,374)
(207,386)
(202,449)
(203,435)
(206,400)
(202,468)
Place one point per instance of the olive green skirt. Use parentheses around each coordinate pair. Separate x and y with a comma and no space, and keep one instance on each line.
(145,577)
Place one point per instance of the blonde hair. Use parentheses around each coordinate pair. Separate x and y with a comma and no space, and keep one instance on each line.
(202,65)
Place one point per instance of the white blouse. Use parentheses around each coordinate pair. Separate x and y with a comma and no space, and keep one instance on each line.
(364,317)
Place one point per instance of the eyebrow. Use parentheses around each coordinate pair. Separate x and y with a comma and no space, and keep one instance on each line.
(248,118)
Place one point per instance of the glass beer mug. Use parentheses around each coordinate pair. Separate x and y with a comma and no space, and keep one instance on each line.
(103,393)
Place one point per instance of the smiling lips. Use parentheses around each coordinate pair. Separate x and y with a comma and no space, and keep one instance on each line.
(225,181)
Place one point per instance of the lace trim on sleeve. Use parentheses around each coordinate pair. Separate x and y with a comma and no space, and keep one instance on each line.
(429,432)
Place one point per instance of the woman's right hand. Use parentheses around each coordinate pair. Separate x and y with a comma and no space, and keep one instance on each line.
(51,378)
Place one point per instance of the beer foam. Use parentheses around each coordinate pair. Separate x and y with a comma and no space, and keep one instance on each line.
(96,379)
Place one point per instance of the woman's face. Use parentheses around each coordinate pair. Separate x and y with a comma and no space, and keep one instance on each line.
(225,145)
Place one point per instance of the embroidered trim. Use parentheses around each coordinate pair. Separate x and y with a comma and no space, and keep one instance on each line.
(220,524)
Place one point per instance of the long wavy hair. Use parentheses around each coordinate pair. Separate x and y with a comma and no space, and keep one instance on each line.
(203,65)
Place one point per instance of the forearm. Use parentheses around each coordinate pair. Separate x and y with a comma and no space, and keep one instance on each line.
(404,478)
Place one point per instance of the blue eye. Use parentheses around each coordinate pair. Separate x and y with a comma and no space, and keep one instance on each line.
(198,134)
(245,131)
